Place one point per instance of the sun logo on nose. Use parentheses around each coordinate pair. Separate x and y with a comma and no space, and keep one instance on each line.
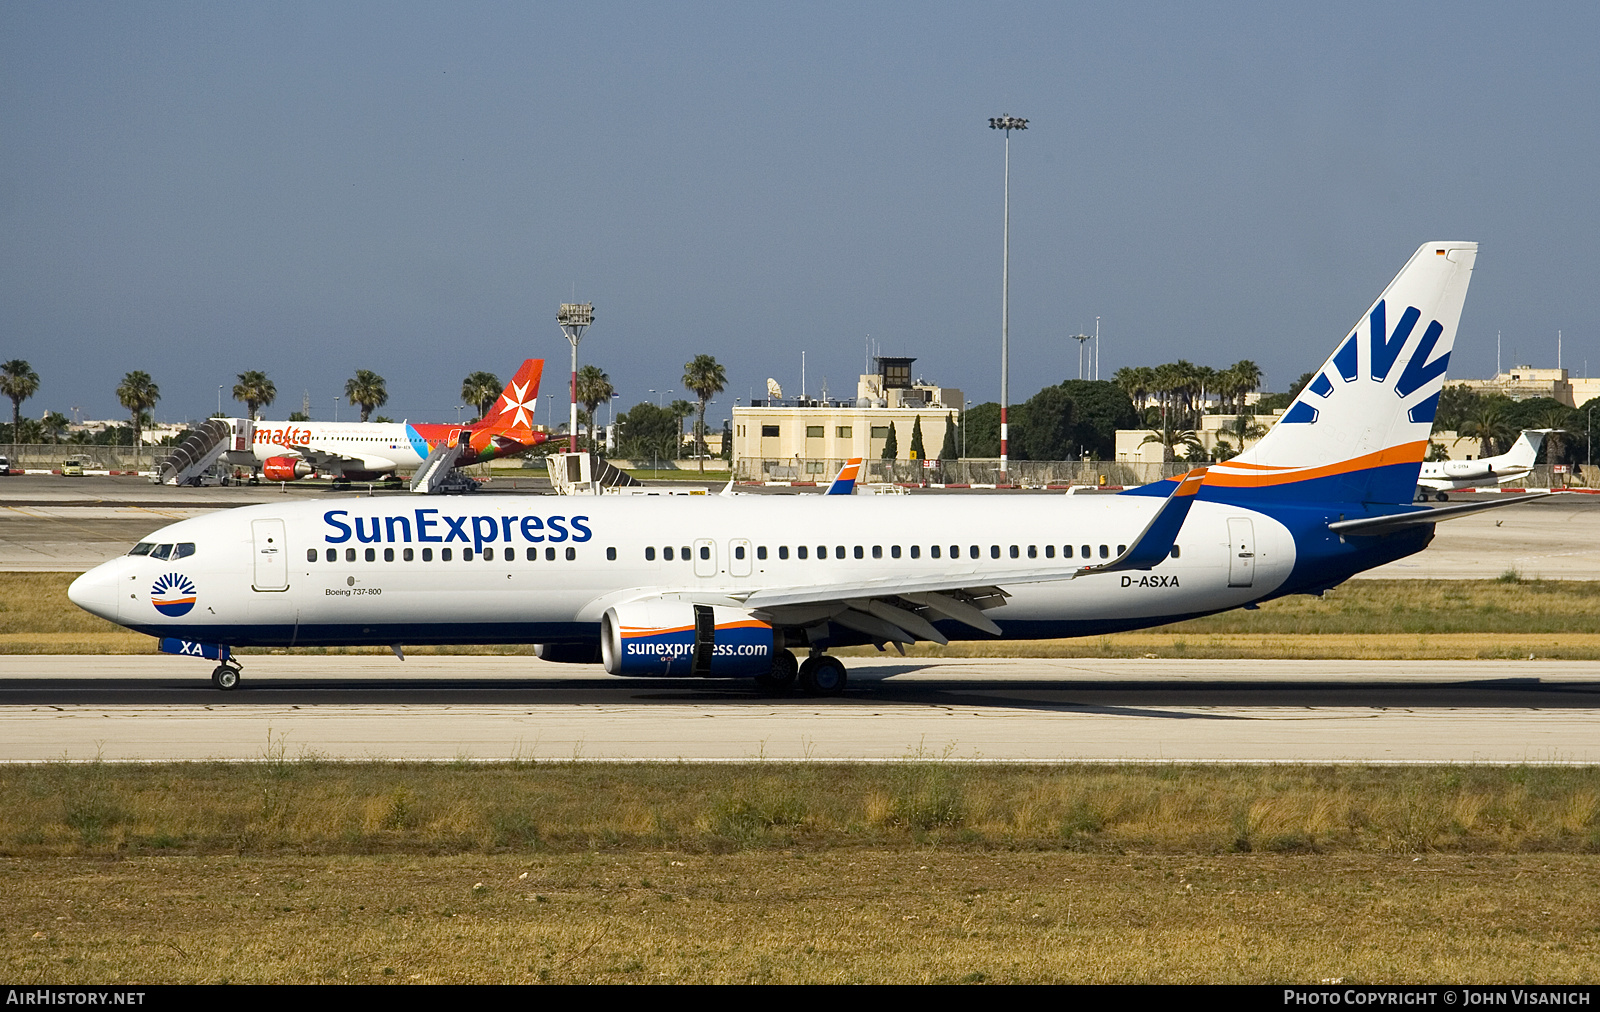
(173,594)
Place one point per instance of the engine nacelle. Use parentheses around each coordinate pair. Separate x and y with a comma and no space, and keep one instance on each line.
(284,468)
(677,639)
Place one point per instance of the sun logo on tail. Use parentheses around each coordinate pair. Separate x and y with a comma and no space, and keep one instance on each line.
(173,594)
(1384,354)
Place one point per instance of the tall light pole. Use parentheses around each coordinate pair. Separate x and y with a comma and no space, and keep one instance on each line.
(573,317)
(1006,124)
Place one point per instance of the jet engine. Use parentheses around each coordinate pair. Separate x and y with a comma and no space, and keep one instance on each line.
(284,468)
(674,638)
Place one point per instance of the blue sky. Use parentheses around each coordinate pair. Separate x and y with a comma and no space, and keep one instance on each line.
(308,189)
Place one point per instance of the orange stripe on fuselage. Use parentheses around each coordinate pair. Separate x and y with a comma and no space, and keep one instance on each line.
(1406,453)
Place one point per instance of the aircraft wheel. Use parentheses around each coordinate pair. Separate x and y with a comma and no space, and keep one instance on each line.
(225,677)
(780,680)
(1441,497)
(822,675)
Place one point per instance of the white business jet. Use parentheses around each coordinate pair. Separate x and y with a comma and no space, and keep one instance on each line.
(1441,476)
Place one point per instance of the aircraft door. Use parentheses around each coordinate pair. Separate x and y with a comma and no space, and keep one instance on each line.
(705,557)
(739,552)
(271,555)
(1241,552)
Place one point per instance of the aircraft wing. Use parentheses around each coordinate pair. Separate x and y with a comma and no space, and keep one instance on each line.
(329,460)
(901,610)
(1368,526)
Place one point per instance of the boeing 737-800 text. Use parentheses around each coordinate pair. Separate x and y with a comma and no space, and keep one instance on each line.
(733,585)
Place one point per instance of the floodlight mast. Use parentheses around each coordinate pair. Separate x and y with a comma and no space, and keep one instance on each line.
(1006,124)
(1083,339)
(573,317)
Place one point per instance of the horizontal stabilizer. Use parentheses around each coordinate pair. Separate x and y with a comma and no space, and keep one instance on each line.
(1371,526)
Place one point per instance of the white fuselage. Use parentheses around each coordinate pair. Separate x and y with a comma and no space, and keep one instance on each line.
(538,569)
(382,446)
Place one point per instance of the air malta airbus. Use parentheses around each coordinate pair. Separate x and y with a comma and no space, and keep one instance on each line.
(734,586)
(364,451)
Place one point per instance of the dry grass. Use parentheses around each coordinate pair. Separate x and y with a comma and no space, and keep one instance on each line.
(1373,619)
(308,806)
(921,916)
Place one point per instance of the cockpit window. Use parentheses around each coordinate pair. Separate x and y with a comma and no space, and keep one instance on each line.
(142,548)
(183,549)
(161,551)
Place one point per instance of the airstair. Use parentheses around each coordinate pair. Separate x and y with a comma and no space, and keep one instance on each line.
(586,474)
(436,472)
(192,458)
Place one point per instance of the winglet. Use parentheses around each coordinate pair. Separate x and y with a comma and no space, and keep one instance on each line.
(1155,542)
(845,482)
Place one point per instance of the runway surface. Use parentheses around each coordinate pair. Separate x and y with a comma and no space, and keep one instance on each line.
(496,708)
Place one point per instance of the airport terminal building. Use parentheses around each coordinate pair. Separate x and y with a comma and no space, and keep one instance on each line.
(800,438)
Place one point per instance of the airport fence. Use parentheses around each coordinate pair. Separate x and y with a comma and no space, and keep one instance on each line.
(94,456)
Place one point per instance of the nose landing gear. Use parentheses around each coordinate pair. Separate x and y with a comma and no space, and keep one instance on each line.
(226,675)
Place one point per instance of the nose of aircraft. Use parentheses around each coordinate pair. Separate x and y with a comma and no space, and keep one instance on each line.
(97,591)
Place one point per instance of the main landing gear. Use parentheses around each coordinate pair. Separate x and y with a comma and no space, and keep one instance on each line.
(226,675)
(819,675)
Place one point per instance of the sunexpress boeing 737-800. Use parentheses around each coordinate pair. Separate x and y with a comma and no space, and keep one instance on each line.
(733,586)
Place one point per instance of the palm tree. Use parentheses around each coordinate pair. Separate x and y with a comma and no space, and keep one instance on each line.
(1555,418)
(1246,378)
(594,389)
(1171,441)
(18,381)
(138,393)
(367,389)
(255,390)
(1490,425)
(54,425)
(481,389)
(706,378)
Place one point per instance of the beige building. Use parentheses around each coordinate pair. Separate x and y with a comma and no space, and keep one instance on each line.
(1524,382)
(1131,447)
(782,432)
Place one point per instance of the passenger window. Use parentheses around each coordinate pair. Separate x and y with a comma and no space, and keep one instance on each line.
(533,555)
(1105,551)
(1087,551)
(549,555)
(311,555)
(445,554)
(183,550)
(933,550)
(859,553)
(611,555)
(738,552)
(1049,551)
(1033,551)
(682,554)
(783,551)
(388,555)
(427,555)
(822,552)
(801,551)
(666,553)
(705,551)
(649,555)
(488,555)
(142,548)
(572,553)
(372,555)
(994,551)
(894,551)
(761,552)
(1121,549)
(466,554)
(1066,551)
(161,551)
(1176,551)
(406,555)
(916,551)
(349,555)
(976,551)
(1014,553)
(838,551)
(333,555)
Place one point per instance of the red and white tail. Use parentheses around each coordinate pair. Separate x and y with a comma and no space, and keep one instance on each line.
(515,409)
